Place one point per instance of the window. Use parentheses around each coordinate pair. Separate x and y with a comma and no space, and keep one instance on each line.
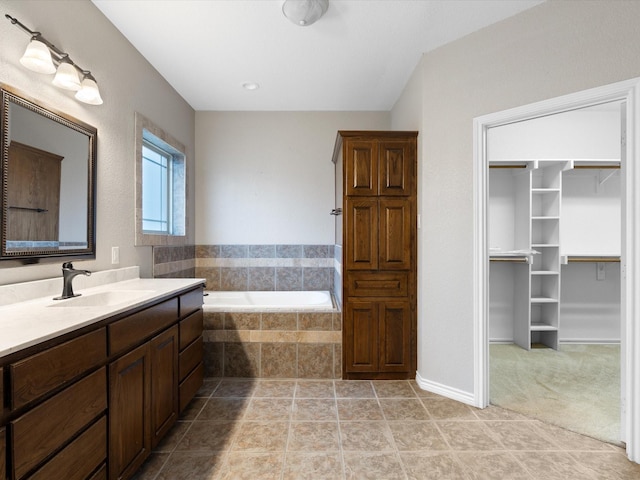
(156,189)
(160,186)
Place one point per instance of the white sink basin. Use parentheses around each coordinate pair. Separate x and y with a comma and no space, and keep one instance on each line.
(102,299)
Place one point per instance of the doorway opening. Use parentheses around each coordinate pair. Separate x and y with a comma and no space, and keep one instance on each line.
(554,275)
(627,94)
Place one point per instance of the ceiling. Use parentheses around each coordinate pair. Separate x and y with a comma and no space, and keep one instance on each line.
(358,57)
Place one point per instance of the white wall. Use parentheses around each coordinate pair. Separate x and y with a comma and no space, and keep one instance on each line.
(127,84)
(267,177)
(550,50)
(592,133)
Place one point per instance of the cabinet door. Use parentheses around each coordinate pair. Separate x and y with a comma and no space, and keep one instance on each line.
(164,383)
(129,412)
(395,336)
(361,340)
(396,165)
(361,230)
(3,453)
(395,234)
(361,168)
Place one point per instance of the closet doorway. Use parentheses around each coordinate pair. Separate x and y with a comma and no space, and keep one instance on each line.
(554,275)
(628,94)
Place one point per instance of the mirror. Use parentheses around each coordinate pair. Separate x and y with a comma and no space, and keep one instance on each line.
(48,183)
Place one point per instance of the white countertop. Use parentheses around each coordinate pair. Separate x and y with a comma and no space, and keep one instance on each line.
(30,322)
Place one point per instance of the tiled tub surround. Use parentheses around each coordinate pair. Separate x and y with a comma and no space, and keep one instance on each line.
(283,344)
(337,273)
(174,261)
(266,267)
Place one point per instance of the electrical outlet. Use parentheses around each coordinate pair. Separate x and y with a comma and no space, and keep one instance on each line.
(115,255)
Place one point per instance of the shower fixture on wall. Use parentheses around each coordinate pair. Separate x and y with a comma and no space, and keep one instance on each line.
(42,56)
(304,12)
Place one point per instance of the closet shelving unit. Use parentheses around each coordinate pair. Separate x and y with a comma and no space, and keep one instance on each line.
(538,197)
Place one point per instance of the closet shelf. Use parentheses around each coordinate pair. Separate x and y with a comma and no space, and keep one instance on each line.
(544,272)
(545,245)
(543,327)
(553,217)
(545,190)
(543,300)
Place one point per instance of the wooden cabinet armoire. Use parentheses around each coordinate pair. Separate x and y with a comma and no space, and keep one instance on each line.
(376,193)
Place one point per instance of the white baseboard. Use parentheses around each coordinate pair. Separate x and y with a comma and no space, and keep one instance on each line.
(445,391)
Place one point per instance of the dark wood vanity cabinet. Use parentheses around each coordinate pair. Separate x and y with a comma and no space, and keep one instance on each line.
(3,450)
(377,172)
(93,404)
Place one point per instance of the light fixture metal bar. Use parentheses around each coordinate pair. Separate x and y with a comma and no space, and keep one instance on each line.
(58,55)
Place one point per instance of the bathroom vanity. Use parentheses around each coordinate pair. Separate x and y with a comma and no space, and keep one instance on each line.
(101,382)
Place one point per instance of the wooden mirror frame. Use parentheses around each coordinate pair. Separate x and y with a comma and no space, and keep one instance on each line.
(10,257)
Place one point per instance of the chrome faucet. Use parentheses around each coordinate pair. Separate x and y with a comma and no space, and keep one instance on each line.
(68,274)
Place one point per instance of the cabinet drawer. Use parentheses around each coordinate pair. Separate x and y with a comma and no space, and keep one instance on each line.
(41,373)
(190,302)
(3,452)
(392,284)
(191,357)
(133,330)
(41,431)
(191,328)
(80,458)
(190,386)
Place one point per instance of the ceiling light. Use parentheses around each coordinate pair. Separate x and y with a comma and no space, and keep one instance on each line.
(67,76)
(42,56)
(250,86)
(37,57)
(304,12)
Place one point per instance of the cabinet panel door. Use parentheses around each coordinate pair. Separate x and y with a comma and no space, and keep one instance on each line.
(129,412)
(395,234)
(396,165)
(395,336)
(361,336)
(3,453)
(361,218)
(361,168)
(164,383)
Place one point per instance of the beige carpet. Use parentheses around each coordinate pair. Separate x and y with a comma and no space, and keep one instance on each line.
(576,387)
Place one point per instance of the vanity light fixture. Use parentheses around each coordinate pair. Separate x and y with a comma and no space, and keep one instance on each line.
(42,56)
(304,12)
(67,76)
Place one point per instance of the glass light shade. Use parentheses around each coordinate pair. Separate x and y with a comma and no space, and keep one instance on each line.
(37,58)
(304,12)
(89,92)
(67,77)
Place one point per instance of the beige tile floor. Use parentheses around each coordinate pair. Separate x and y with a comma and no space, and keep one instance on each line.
(325,429)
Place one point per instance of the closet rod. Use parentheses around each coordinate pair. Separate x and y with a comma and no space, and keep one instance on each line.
(509,259)
(596,166)
(593,259)
(507,166)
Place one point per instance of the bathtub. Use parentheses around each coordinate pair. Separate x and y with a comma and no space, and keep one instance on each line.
(217,301)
